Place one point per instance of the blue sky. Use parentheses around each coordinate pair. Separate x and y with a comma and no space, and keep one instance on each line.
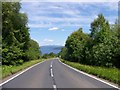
(51,23)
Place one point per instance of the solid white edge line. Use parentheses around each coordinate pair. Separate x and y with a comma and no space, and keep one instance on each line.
(20,73)
(89,75)
(51,72)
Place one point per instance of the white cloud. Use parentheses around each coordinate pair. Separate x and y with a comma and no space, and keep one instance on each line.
(64,14)
(38,25)
(34,25)
(49,21)
(59,15)
(48,40)
(53,28)
(110,6)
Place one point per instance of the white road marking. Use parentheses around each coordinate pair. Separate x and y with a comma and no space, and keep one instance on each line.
(90,76)
(54,86)
(51,66)
(20,73)
(51,72)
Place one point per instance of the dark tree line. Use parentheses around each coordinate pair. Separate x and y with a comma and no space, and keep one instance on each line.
(100,48)
(49,55)
(17,47)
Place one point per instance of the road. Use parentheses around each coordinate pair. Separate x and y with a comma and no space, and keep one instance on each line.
(55,75)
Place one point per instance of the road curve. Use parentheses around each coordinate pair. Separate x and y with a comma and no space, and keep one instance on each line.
(55,75)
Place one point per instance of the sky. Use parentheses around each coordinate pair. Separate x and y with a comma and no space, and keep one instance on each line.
(51,23)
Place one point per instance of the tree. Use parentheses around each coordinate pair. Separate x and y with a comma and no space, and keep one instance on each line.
(63,53)
(104,43)
(12,31)
(17,47)
(100,48)
(49,55)
(98,25)
(75,45)
(33,51)
(115,35)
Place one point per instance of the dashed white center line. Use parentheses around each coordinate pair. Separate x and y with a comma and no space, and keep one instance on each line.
(51,65)
(54,86)
(51,71)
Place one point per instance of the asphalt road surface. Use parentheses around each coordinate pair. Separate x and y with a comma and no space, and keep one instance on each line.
(54,74)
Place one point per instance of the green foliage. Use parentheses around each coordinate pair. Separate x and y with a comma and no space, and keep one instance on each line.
(8,70)
(50,55)
(12,55)
(14,31)
(34,51)
(101,47)
(111,74)
(0,49)
(97,26)
(75,45)
(63,53)
(17,47)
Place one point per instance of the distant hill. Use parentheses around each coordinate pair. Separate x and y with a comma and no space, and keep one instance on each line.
(50,48)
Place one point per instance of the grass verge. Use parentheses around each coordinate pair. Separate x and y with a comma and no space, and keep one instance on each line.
(111,74)
(9,70)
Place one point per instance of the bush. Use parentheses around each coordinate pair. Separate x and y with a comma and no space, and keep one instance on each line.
(11,56)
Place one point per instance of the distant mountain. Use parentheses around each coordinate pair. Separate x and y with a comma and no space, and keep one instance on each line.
(50,48)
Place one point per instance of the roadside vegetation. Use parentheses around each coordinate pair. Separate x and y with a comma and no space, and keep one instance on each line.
(9,70)
(110,74)
(49,55)
(19,51)
(17,46)
(97,53)
(99,48)
(0,49)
